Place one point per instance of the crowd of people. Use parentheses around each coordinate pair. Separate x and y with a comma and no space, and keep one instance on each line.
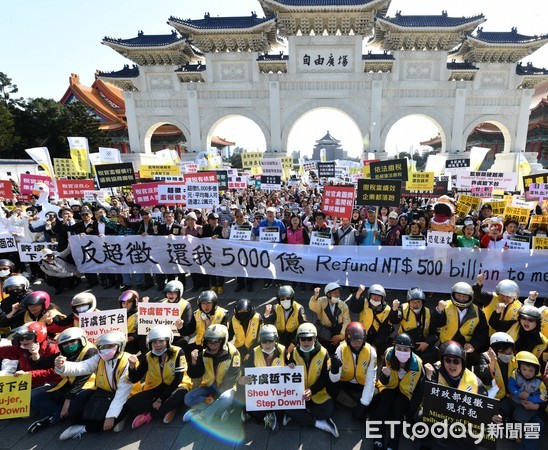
(363,352)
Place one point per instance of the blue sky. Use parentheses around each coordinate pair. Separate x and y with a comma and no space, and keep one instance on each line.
(43,42)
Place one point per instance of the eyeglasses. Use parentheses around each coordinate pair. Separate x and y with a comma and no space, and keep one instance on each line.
(267,341)
(214,341)
(27,338)
(306,338)
(49,257)
(527,319)
(453,361)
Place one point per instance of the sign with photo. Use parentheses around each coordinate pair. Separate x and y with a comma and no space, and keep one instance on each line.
(378,192)
(150,315)
(321,238)
(114,175)
(519,243)
(269,234)
(274,388)
(413,242)
(394,169)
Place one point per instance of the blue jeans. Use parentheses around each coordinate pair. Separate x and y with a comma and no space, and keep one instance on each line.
(126,278)
(51,403)
(196,397)
(533,444)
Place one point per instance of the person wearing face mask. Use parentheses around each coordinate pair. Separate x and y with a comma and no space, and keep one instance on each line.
(80,303)
(333,316)
(287,316)
(208,313)
(269,353)
(68,397)
(353,371)
(400,388)
(245,325)
(462,321)
(14,288)
(166,383)
(105,409)
(314,359)
(186,324)
(128,300)
(7,267)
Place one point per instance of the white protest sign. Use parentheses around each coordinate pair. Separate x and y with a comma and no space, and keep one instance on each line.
(269,234)
(272,166)
(439,238)
(171,193)
(522,243)
(7,243)
(92,196)
(202,195)
(499,180)
(32,251)
(321,238)
(152,314)
(97,323)
(413,242)
(274,388)
(240,232)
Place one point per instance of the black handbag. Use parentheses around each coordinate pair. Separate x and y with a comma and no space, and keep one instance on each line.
(98,405)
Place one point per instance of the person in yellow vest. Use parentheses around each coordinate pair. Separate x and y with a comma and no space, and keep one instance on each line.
(333,316)
(166,382)
(105,409)
(269,353)
(461,321)
(400,389)
(375,315)
(14,288)
(497,364)
(208,313)
(186,325)
(287,316)
(135,343)
(314,359)
(414,319)
(66,399)
(354,371)
(80,303)
(7,267)
(505,301)
(219,367)
(245,326)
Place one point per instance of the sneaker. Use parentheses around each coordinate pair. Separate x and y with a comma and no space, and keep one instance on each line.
(73,432)
(271,421)
(120,425)
(141,419)
(377,445)
(245,416)
(192,415)
(40,425)
(267,284)
(327,425)
(286,420)
(220,290)
(170,415)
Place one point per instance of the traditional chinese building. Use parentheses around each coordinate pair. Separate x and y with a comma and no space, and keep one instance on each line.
(331,147)
(349,55)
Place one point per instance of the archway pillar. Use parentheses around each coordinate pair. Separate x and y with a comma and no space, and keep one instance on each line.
(523,121)
(275,118)
(375,126)
(194,140)
(132,127)
(455,146)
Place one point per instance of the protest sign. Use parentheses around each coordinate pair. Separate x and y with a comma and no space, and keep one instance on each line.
(222,179)
(97,323)
(32,251)
(326,169)
(539,222)
(482,191)
(378,192)
(413,242)
(169,179)
(271,182)
(420,181)
(497,206)
(7,242)
(455,166)
(499,180)
(27,181)
(145,194)
(6,189)
(269,234)
(516,213)
(519,243)
(148,171)
(538,178)
(89,196)
(251,159)
(150,315)
(338,201)
(538,191)
(541,243)
(240,232)
(272,167)
(202,195)
(321,238)
(466,203)
(74,188)
(394,169)
(15,396)
(274,388)
(65,168)
(171,194)
(236,182)
(113,175)
(439,238)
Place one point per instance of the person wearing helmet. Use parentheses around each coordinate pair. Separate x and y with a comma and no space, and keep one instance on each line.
(269,353)
(212,229)
(128,300)
(245,326)
(15,288)
(400,388)
(186,325)
(208,313)
(333,316)
(7,267)
(59,273)
(375,315)
(414,319)
(104,410)
(287,315)
(67,398)
(504,301)
(34,352)
(217,367)
(353,371)
(320,407)
(166,381)
(462,321)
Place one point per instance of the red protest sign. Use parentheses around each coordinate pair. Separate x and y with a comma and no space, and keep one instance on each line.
(6,189)
(74,188)
(146,194)
(201,177)
(27,181)
(338,201)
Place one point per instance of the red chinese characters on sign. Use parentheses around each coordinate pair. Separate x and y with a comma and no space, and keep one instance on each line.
(27,182)
(201,177)
(74,188)
(6,189)
(338,201)
(146,194)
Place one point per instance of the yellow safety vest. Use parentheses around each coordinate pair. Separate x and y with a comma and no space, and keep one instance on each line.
(241,337)
(216,376)
(132,323)
(544,323)
(469,382)
(292,322)
(313,371)
(367,318)
(448,331)
(409,381)
(42,319)
(156,376)
(510,313)
(89,384)
(538,350)
(218,317)
(512,365)
(358,370)
(101,378)
(182,303)
(259,359)
(409,320)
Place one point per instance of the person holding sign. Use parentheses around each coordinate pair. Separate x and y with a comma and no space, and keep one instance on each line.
(272,225)
(128,300)
(67,398)
(80,303)
(315,360)
(241,229)
(166,381)
(186,325)
(208,313)
(354,371)
(245,326)
(371,229)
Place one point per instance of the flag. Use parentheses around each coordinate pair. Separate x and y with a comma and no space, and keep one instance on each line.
(41,156)
(175,157)
(79,152)
(109,155)
(477,155)
(165,156)
(436,164)
(523,168)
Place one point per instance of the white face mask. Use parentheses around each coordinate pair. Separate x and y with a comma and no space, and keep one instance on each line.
(403,357)
(160,353)
(417,310)
(374,303)
(286,304)
(81,309)
(334,300)
(306,350)
(505,358)
(269,352)
(4,273)
(485,229)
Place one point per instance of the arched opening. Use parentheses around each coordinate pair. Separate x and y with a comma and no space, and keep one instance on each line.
(162,136)
(489,134)
(236,133)
(325,128)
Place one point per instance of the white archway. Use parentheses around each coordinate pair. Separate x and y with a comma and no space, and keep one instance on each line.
(507,131)
(150,128)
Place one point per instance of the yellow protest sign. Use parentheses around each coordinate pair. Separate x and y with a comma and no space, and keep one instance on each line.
(538,222)
(516,213)
(466,203)
(420,181)
(367,171)
(15,396)
(251,159)
(498,207)
(64,168)
(508,199)
(165,170)
(540,243)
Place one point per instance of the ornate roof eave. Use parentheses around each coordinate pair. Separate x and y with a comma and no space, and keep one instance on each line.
(272,6)
(468,26)
(191,73)
(173,54)
(531,81)
(184,27)
(122,79)
(535,43)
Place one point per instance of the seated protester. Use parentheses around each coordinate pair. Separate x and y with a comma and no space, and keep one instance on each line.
(218,367)
(166,382)
(505,301)
(494,239)
(316,363)
(245,325)
(30,344)
(287,316)
(414,319)
(7,267)
(67,398)
(208,313)
(128,300)
(333,316)
(268,354)
(353,371)
(186,326)
(113,387)
(80,303)
(462,321)
(59,273)
(468,239)
(375,315)
(15,287)
(497,365)
(400,389)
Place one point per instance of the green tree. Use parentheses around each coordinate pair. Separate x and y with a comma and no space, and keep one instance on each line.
(83,123)
(7,89)
(8,139)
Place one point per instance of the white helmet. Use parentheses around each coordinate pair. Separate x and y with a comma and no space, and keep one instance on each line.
(16,280)
(83,302)
(113,337)
(501,338)
(508,288)
(160,332)
(376,289)
(331,287)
